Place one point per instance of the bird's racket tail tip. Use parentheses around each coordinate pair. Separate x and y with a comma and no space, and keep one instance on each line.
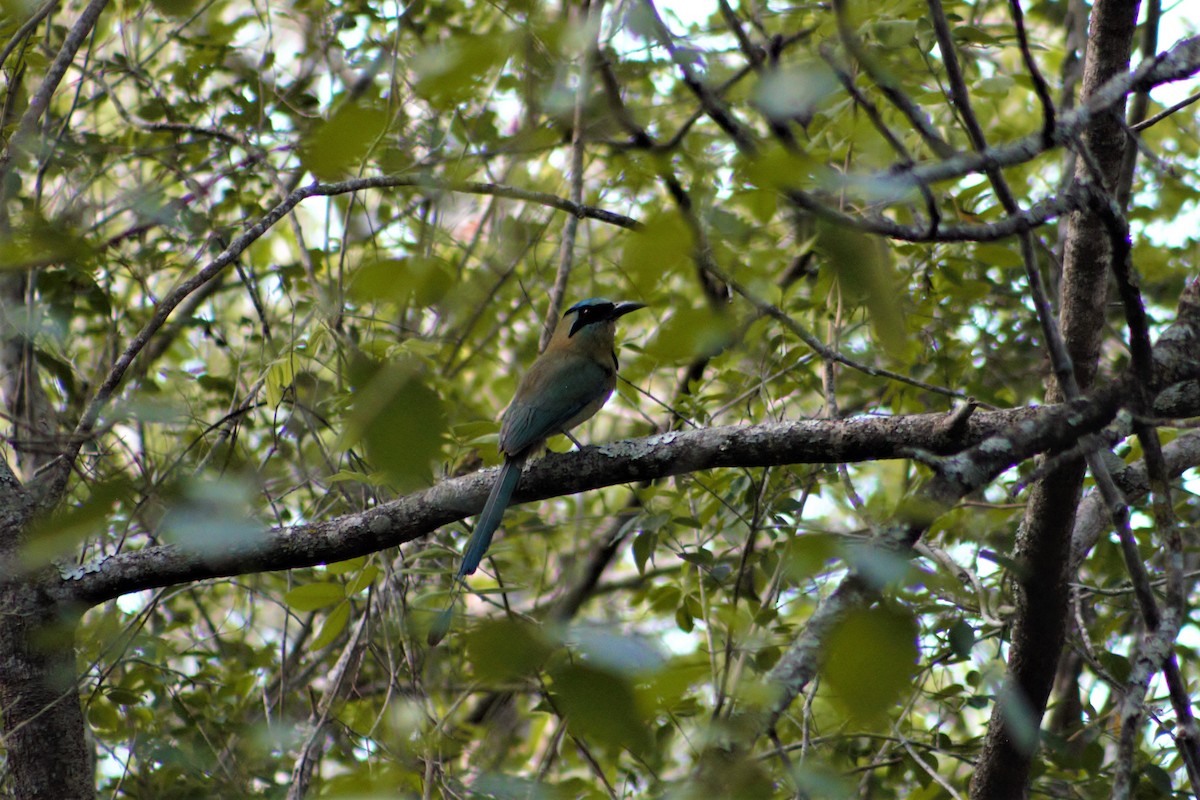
(440,627)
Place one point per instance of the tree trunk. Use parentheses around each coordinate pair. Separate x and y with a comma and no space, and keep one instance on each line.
(40,716)
(47,755)
(1044,541)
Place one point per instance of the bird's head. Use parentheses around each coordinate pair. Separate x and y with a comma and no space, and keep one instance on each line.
(597,311)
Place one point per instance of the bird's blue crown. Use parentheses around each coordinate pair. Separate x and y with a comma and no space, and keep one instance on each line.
(589,303)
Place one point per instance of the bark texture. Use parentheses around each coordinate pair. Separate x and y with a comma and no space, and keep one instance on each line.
(1044,541)
(47,754)
(41,720)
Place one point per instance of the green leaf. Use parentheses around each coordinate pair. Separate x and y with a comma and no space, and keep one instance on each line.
(810,553)
(606,649)
(448,73)
(280,376)
(643,548)
(1158,778)
(870,660)
(776,168)
(683,619)
(312,596)
(334,624)
(347,566)
(104,716)
(971,34)
(423,280)
(124,697)
(338,144)
(347,476)
(1020,720)
(662,246)
(864,272)
(506,650)
(601,706)
(176,8)
(401,421)
(1116,664)
(60,534)
(45,241)
(796,91)
(212,517)
(895,33)
(690,333)
(962,638)
(363,580)
(512,787)
(995,86)
(818,780)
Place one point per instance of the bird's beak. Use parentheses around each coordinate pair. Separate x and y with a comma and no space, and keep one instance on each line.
(621,309)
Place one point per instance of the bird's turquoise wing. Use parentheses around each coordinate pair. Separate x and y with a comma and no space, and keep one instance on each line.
(554,398)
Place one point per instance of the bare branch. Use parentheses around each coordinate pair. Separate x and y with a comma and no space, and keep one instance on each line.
(888,85)
(1039,82)
(337,686)
(1037,215)
(1160,116)
(712,104)
(566,257)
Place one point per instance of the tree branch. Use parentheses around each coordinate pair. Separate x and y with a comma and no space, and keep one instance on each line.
(672,453)
(1180,62)
(966,472)
(52,482)
(40,100)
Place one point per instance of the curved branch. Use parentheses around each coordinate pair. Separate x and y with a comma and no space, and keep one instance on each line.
(53,481)
(997,440)
(1037,215)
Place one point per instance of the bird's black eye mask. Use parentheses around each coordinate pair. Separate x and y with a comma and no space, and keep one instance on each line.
(589,314)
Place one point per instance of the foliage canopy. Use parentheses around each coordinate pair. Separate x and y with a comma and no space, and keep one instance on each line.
(269,265)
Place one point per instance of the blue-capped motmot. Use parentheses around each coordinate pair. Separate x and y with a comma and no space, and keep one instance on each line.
(564,387)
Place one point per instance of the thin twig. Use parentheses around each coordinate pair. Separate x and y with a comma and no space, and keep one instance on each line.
(712,104)
(888,84)
(566,259)
(1039,82)
(40,101)
(26,28)
(53,480)
(1160,116)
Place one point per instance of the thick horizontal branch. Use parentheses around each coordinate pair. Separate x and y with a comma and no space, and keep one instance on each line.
(969,452)
(413,516)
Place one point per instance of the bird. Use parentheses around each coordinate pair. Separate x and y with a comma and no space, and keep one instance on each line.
(564,387)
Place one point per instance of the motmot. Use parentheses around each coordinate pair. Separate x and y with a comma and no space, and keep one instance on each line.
(564,387)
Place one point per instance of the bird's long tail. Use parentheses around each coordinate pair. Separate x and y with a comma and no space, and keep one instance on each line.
(489,518)
(481,538)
